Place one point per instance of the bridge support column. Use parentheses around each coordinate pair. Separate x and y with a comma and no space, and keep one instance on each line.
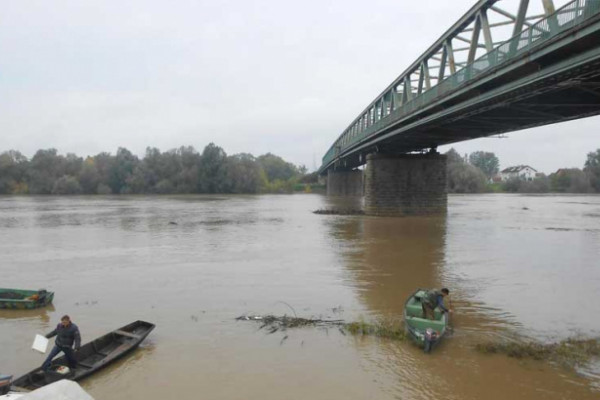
(402,185)
(345,183)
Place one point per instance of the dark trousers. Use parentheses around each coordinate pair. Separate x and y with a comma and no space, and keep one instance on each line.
(428,311)
(69,354)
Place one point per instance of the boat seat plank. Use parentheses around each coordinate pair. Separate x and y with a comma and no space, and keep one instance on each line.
(98,351)
(128,334)
(84,364)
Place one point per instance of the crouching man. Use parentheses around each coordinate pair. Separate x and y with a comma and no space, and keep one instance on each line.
(434,299)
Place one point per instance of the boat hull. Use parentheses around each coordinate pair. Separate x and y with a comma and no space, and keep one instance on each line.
(92,356)
(425,333)
(9,300)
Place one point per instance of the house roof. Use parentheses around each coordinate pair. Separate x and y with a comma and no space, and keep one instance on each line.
(517,168)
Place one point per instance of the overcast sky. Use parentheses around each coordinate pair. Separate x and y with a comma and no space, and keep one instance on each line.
(251,76)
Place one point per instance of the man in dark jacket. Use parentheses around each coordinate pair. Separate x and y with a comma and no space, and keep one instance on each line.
(67,335)
(432,300)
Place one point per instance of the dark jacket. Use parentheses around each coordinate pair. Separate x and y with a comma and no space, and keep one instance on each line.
(66,335)
(434,299)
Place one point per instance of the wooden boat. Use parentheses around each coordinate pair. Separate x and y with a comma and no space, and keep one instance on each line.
(91,357)
(24,299)
(425,333)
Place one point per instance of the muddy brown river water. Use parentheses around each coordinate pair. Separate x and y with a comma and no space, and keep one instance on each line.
(516,265)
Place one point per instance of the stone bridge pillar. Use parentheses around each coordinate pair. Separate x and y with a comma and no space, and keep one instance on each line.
(402,185)
(345,183)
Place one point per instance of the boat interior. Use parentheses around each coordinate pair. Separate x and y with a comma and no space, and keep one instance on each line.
(91,356)
(414,315)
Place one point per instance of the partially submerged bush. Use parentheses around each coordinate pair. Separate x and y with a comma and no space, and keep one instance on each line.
(568,353)
(383,328)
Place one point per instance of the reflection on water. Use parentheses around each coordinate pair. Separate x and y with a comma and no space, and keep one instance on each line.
(191,264)
(41,314)
(132,363)
(400,255)
(390,258)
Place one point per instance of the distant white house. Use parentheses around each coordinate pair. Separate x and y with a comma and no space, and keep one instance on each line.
(524,172)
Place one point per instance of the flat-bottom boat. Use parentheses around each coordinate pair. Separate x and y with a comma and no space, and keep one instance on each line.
(424,332)
(91,357)
(24,299)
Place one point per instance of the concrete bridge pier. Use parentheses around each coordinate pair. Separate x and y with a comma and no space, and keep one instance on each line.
(345,183)
(403,185)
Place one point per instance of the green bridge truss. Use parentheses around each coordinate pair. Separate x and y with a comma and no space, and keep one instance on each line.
(440,72)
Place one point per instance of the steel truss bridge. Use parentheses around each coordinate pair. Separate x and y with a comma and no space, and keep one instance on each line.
(493,71)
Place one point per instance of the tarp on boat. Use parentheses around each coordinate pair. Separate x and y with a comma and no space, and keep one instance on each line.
(60,390)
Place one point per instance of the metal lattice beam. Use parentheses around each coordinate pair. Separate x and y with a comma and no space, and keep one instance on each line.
(476,29)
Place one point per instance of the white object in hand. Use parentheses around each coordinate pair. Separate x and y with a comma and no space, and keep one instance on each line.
(40,343)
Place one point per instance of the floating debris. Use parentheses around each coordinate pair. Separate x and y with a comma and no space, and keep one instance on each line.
(87,303)
(383,328)
(569,353)
(273,322)
(348,211)
(338,310)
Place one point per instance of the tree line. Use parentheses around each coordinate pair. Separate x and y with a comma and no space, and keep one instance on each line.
(185,170)
(475,174)
(181,170)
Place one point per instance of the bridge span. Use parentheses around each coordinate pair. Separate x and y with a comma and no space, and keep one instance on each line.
(471,83)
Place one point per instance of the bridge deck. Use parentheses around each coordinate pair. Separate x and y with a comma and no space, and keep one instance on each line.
(548,73)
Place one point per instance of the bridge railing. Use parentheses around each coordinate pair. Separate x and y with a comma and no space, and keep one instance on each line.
(565,18)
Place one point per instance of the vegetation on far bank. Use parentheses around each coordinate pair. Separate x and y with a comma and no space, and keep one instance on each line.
(477,173)
(182,170)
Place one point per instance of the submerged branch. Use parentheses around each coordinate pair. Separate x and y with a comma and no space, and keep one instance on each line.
(285,322)
(382,328)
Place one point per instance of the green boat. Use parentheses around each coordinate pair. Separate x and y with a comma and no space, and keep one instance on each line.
(425,333)
(24,299)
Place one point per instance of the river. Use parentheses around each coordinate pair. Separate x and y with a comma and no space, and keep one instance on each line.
(516,266)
